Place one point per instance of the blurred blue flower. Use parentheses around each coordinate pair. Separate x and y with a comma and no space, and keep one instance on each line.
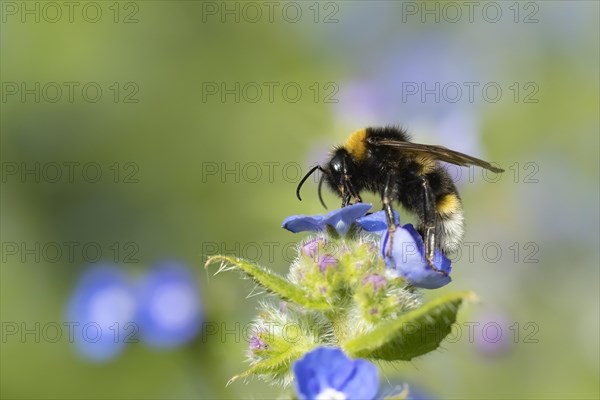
(493,336)
(103,305)
(407,257)
(341,219)
(169,312)
(327,373)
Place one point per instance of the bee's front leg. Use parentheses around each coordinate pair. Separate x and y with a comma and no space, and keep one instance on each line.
(349,193)
(356,199)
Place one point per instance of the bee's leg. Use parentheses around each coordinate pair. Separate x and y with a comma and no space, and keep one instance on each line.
(345,199)
(428,222)
(387,198)
(353,193)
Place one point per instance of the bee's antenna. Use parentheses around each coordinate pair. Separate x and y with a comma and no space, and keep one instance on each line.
(320,185)
(309,173)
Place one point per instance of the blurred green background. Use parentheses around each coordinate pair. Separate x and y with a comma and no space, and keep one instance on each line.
(200,116)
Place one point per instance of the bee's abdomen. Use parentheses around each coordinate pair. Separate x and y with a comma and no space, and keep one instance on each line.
(449,222)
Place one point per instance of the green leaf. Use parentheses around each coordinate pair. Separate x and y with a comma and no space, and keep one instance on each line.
(271,281)
(413,334)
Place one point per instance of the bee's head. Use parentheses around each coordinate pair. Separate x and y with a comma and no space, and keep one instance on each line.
(340,165)
(339,175)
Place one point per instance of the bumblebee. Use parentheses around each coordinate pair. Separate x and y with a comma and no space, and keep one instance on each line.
(384,161)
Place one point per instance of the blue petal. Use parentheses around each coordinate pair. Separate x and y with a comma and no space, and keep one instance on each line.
(170,312)
(301,223)
(336,367)
(103,305)
(308,380)
(407,258)
(440,261)
(376,222)
(364,383)
(342,218)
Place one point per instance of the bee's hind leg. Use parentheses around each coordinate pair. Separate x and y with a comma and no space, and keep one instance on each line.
(387,198)
(428,223)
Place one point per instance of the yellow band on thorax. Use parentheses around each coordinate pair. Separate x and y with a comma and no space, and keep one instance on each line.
(356,144)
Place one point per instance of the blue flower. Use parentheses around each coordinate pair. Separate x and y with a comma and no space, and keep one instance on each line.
(408,259)
(340,219)
(169,313)
(102,309)
(327,373)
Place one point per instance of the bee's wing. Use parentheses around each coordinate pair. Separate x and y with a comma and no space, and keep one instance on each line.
(440,153)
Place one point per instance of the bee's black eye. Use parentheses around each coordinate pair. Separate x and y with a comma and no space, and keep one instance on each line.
(336,165)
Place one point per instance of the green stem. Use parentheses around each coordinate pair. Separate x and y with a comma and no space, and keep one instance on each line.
(339,322)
